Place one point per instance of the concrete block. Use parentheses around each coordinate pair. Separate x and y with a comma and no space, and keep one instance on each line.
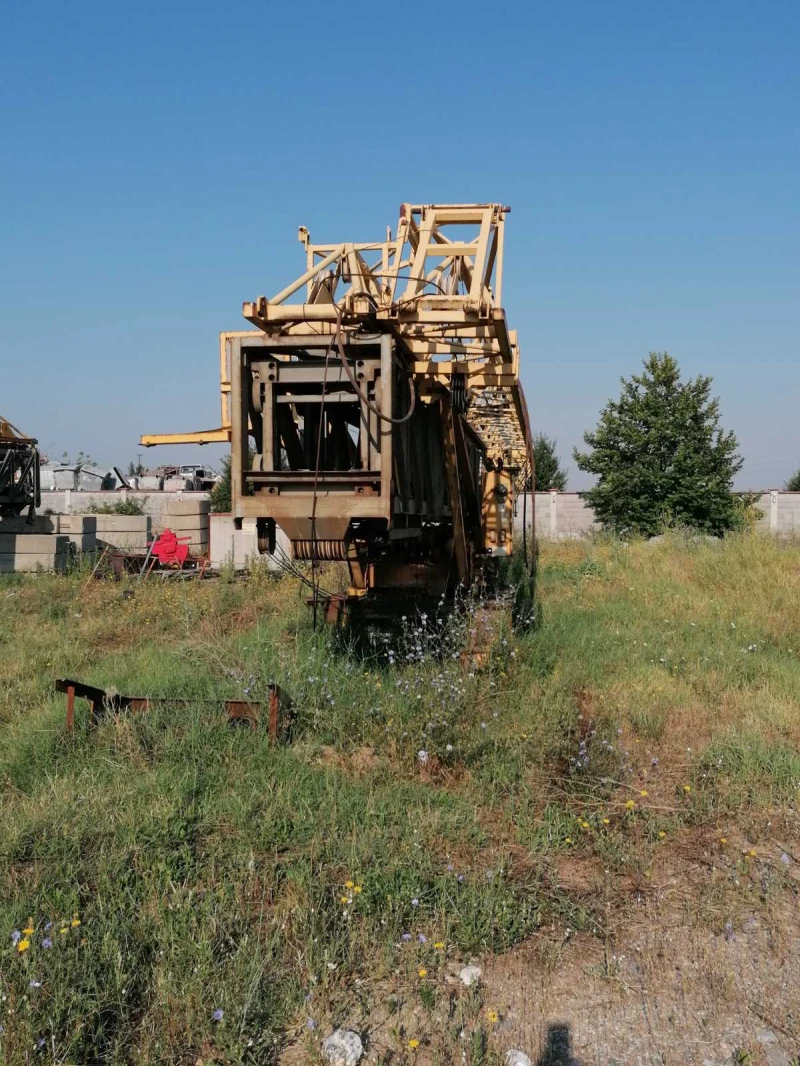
(126,541)
(123,523)
(33,544)
(83,542)
(186,507)
(220,528)
(184,523)
(19,524)
(80,524)
(18,563)
(245,548)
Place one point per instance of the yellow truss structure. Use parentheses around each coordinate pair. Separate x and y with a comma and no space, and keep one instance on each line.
(437,286)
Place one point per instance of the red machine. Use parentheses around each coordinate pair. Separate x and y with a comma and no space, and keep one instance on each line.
(170,549)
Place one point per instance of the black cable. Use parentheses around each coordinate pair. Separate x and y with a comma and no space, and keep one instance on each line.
(365,399)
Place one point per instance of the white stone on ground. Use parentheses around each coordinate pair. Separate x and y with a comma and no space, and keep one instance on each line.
(470,974)
(515,1057)
(343,1048)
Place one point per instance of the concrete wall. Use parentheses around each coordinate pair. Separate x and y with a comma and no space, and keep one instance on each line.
(563,515)
(559,515)
(68,501)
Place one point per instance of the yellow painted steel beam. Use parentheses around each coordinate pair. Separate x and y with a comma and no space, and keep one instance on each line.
(202,436)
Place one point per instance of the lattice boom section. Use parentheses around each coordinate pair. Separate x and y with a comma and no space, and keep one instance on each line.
(494,418)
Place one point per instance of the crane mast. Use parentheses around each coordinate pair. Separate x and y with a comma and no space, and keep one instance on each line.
(375,411)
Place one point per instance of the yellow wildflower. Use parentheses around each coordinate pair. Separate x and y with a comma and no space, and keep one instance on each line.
(606,821)
(723,840)
(28,930)
(423,972)
(343,899)
(64,930)
(661,835)
(751,854)
(75,923)
(584,825)
(23,945)
(492,1017)
(643,792)
(630,804)
(413,1044)
(357,889)
(568,840)
(687,788)
(439,945)
(349,884)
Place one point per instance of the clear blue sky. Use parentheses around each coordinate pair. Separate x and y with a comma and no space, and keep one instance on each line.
(157,159)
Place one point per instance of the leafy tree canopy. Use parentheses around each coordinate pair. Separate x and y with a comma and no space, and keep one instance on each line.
(793,484)
(661,457)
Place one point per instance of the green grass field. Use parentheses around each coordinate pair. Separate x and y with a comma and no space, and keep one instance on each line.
(173,889)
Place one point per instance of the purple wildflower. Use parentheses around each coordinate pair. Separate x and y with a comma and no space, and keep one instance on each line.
(422,938)
(16,936)
(406,937)
(460,879)
(415,902)
(40,1043)
(311,1025)
(218,1014)
(48,926)
(47,943)
(785,859)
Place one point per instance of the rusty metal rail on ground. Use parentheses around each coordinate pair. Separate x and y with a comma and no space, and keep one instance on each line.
(103,702)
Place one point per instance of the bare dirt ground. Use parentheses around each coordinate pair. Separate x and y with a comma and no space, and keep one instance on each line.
(698,966)
(676,995)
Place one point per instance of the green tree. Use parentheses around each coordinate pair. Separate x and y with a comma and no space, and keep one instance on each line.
(549,473)
(220,495)
(793,484)
(661,456)
(81,459)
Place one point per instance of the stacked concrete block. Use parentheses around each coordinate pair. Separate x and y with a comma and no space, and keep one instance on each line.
(129,533)
(80,529)
(25,552)
(188,518)
(239,547)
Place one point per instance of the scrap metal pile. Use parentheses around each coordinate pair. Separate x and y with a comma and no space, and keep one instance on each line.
(380,421)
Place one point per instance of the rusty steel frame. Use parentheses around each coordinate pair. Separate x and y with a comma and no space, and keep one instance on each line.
(102,702)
